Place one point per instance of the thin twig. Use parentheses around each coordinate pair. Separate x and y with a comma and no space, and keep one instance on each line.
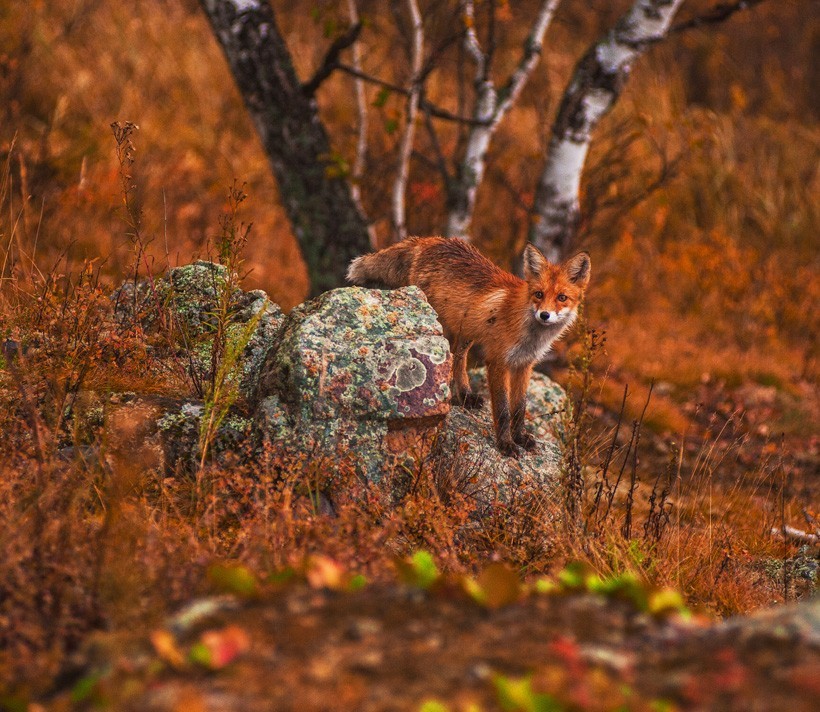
(719,13)
(331,60)
(408,137)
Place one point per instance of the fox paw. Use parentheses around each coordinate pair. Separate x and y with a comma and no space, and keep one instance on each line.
(508,448)
(525,440)
(472,401)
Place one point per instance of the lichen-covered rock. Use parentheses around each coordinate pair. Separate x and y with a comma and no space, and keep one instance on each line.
(178,433)
(162,434)
(186,303)
(360,377)
(467,443)
(353,381)
(268,318)
(369,354)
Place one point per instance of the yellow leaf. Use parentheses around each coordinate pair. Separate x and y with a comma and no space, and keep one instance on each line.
(323,572)
(166,647)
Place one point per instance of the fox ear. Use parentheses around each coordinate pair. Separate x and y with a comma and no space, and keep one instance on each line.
(534,261)
(578,268)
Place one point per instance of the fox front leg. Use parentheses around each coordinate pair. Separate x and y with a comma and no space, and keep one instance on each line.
(519,381)
(498,380)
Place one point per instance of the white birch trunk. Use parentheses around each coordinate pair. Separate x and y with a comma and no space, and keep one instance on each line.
(362,128)
(409,135)
(595,86)
(491,107)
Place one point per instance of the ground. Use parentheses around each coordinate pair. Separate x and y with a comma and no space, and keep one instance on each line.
(398,647)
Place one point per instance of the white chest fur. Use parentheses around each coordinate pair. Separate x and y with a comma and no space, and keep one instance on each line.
(537,342)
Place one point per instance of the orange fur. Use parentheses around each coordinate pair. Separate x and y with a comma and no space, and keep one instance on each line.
(514,320)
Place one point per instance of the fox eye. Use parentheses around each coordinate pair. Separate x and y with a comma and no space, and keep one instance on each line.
(539,295)
(562,297)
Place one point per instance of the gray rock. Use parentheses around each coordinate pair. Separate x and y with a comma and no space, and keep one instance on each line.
(354,383)
(360,382)
(467,445)
(368,354)
(185,304)
(359,379)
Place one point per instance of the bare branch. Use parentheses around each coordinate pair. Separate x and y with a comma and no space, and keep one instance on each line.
(370,79)
(441,162)
(795,534)
(424,104)
(529,58)
(491,41)
(361,112)
(719,13)
(471,43)
(490,108)
(331,60)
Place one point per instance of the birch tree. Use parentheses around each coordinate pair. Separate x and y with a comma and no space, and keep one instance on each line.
(325,210)
(399,212)
(491,106)
(326,221)
(596,84)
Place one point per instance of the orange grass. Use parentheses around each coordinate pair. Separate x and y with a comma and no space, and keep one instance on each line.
(714,273)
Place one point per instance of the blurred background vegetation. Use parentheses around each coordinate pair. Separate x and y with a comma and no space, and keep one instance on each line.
(700,210)
(699,197)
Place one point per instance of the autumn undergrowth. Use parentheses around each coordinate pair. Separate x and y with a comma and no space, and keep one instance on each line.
(99,535)
(709,279)
(674,509)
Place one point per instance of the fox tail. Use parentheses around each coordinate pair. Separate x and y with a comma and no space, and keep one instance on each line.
(388,268)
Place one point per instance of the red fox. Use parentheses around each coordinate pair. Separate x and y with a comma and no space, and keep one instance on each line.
(514,320)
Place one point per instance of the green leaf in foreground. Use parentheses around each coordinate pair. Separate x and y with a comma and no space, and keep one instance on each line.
(86,688)
(668,600)
(419,571)
(281,576)
(517,695)
(234,578)
(200,654)
(433,706)
(496,586)
(573,576)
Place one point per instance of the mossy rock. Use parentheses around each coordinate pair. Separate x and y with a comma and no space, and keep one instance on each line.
(186,303)
(467,447)
(361,353)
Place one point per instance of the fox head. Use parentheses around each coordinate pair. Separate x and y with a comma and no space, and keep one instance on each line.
(555,290)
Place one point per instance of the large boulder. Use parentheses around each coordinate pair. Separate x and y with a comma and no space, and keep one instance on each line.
(353,383)
(359,378)
(359,382)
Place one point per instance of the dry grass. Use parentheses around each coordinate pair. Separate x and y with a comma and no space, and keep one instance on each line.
(714,273)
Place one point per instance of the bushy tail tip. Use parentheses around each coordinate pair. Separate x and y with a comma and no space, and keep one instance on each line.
(357,272)
(386,269)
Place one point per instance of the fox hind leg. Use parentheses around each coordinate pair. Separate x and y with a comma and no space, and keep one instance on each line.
(462,394)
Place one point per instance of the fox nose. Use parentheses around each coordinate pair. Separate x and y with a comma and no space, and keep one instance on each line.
(544,316)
